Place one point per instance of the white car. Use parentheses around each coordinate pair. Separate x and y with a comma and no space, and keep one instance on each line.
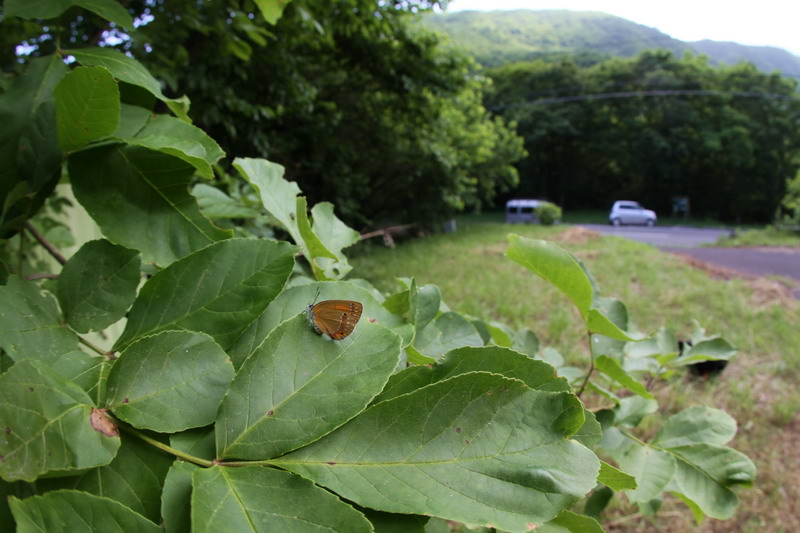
(627,212)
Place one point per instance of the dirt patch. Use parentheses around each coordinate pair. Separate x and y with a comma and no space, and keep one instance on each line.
(715,271)
(577,235)
(766,292)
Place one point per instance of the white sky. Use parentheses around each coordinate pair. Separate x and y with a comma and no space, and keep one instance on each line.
(763,23)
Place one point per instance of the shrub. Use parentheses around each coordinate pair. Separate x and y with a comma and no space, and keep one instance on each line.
(548,213)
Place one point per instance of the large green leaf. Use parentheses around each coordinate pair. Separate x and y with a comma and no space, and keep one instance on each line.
(611,368)
(133,119)
(297,299)
(705,474)
(569,522)
(311,243)
(298,386)
(47,9)
(170,381)
(615,478)
(714,349)
(219,290)
(424,305)
(47,423)
(326,265)
(176,499)
(30,323)
(197,442)
(140,199)
(30,154)
(535,374)
(526,341)
(478,448)
(652,468)
(89,372)
(632,409)
(134,478)
(323,243)
(128,70)
(87,107)
(695,425)
(563,271)
(591,432)
(278,196)
(98,285)
(180,139)
(72,511)
(261,499)
(215,204)
(450,330)
(398,523)
(335,235)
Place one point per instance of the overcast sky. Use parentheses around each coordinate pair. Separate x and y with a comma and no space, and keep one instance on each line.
(762,23)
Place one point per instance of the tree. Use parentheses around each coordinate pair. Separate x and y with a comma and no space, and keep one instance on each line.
(363,106)
(653,127)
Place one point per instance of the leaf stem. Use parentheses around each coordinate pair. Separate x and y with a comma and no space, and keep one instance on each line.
(21,254)
(49,247)
(93,347)
(167,448)
(591,366)
(637,440)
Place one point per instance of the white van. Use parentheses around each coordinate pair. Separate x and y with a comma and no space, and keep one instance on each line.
(521,211)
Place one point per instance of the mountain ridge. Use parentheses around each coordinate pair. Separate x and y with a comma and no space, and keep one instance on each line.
(497,37)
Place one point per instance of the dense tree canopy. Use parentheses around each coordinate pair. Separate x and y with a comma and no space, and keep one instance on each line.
(651,128)
(363,106)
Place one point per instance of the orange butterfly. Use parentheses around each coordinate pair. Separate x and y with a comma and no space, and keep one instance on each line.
(334,318)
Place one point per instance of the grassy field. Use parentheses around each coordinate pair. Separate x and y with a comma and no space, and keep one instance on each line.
(760,388)
(769,236)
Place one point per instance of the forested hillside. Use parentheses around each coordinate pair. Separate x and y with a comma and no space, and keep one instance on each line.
(651,128)
(498,37)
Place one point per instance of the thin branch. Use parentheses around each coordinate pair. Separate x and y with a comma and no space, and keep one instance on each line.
(591,366)
(42,275)
(21,252)
(49,247)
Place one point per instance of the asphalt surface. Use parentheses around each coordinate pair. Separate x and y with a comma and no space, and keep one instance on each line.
(756,261)
(663,236)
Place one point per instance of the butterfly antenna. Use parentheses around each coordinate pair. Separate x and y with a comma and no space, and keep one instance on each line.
(315,297)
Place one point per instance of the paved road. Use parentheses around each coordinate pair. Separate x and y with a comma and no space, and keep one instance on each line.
(663,236)
(758,261)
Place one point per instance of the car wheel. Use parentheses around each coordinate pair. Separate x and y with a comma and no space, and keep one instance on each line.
(650,222)
(616,222)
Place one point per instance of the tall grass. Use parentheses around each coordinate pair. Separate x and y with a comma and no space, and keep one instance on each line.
(760,388)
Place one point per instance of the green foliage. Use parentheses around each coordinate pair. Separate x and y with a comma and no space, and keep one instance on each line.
(360,106)
(659,127)
(791,202)
(222,409)
(548,213)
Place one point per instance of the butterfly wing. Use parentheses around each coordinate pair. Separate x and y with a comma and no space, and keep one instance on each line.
(336,318)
